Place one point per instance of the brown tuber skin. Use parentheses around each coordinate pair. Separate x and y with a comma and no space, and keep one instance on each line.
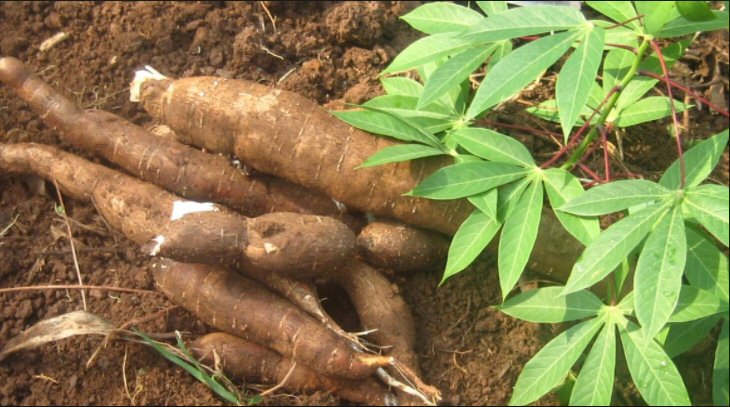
(237,305)
(246,361)
(163,161)
(300,246)
(401,248)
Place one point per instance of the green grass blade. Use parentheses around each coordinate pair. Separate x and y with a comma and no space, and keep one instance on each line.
(576,79)
(453,72)
(720,376)
(426,50)
(494,146)
(518,237)
(522,21)
(399,85)
(551,364)
(595,381)
(518,69)
(441,17)
(486,202)
(707,266)
(647,110)
(469,241)
(695,303)
(682,26)
(655,375)
(462,180)
(685,335)
(710,205)
(562,186)
(612,246)
(545,305)
(618,11)
(400,152)
(699,161)
(658,277)
(614,197)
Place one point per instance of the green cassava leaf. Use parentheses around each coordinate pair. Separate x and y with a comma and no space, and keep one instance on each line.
(441,17)
(707,266)
(695,10)
(523,21)
(695,303)
(517,69)
(721,368)
(683,26)
(577,77)
(612,246)
(518,237)
(398,85)
(594,385)
(621,36)
(700,160)
(655,375)
(615,196)
(426,50)
(384,124)
(709,204)
(656,14)
(615,66)
(406,107)
(492,8)
(545,305)
(486,202)
(452,72)
(551,364)
(658,277)
(647,110)
(562,186)
(400,152)
(461,180)
(685,335)
(494,146)
(548,110)
(508,196)
(472,237)
(618,11)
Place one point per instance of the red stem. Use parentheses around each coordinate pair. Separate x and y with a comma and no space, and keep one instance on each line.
(606,165)
(686,90)
(675,123)
(590,173)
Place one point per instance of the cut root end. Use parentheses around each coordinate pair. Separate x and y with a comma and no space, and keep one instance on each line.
(148,73)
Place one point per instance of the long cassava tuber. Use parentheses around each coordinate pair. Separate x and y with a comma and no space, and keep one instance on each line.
(400,247)
(165,162)
(284,134)
(297,245)
(244,360)
(238,305)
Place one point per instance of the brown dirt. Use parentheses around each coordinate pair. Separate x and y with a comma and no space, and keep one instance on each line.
(327,51)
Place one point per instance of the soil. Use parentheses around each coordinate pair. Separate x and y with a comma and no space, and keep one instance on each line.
(330,52)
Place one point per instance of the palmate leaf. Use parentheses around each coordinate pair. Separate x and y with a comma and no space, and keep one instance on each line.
(684,336)
(385,124)
(452,72)
(545,305)
(615,196)
(493,146)
(562,186)
(707,266)
(441,17)
(615,66)
(486,202)
(721,368)
(517,69)
(612,246)
(656,14)
(710,205)
(399,85)
(523,21)
(548,110)
(400,152)
(655,375)
(683,26)
(647,110)
(577,77)
(462,180)
(620,36)
(551,364)
(518,237)
(595,381)
(492,8)
(431,119)
(469,241)
(695,303)
(658,277)
(618,11)
(427,49)
(695,10)
(699,161)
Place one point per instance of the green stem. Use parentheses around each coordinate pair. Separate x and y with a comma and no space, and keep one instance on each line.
(578,152)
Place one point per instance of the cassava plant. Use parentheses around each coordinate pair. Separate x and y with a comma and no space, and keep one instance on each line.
(671,233)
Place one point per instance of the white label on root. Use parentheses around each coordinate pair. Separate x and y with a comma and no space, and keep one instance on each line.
(140,77)
(159,240)
(182,208)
